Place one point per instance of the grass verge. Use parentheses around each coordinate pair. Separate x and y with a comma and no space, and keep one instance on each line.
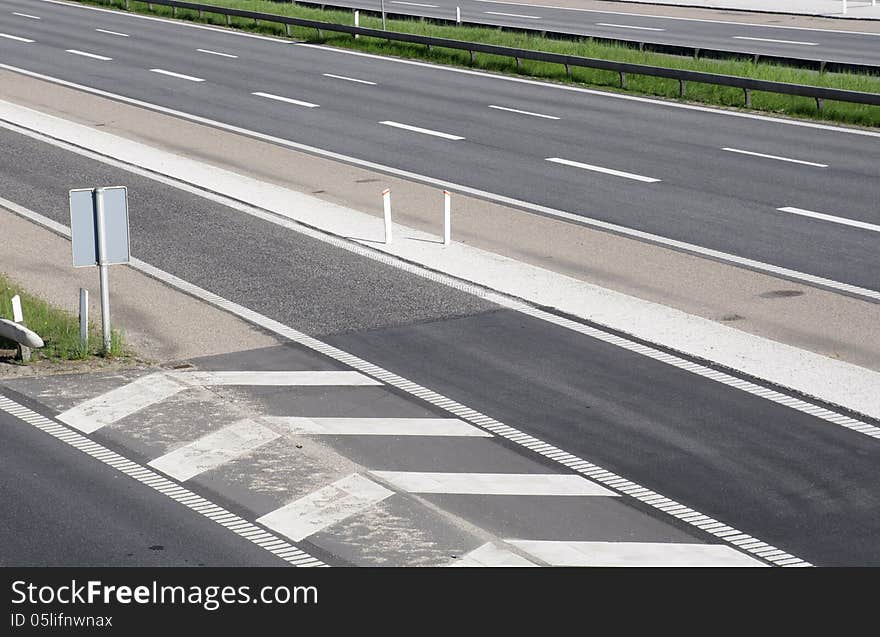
(792,106)
(58,329)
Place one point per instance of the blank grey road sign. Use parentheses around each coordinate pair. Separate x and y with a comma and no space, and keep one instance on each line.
(84,229)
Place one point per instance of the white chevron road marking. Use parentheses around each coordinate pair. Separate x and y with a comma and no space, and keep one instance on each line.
(633,554)
(377,426)
(493,483)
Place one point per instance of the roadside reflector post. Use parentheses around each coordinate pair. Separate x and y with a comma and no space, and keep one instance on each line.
(458,15)
(357,21)
(386,204)
(447,217)
(24,352)
(84,317)
(844,7)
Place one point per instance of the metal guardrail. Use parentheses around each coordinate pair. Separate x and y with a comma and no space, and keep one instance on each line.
(747,85)
(817,64)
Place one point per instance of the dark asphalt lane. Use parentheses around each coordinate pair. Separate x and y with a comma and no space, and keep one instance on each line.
(61,507)
(804,484)
(707,196)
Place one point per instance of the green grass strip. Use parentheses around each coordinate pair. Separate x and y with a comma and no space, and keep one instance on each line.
(58,329)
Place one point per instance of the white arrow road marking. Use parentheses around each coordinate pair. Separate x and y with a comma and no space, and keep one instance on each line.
(493,483)
(633,554)
(214,449)
(493,555)
(376,426)
(118,403)
(318,510)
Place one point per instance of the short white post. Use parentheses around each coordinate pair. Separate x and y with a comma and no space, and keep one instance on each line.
(103,268)
(447,217)
(84,317)
(386,203)
(24,352)
(844,7)
(458,15)
(357,21)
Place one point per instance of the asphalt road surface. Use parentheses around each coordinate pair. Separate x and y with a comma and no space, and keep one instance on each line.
(792,196)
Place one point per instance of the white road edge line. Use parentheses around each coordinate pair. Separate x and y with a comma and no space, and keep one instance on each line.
(617,554)
(516,110)
(744,37)
(513,15)
(628,26)
(600,169)
(776,157)
(348,79)
(27,15)
(210,52)
(594,472)
(16,38)
(89,55)
(121,35)
(864,225)
(424,131)
(238,525)
(177,75)
(288,100)
(493,555)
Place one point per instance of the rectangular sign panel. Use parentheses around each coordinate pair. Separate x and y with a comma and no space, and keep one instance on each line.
(84,226)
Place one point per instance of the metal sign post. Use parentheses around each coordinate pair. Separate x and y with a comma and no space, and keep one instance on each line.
(99,236)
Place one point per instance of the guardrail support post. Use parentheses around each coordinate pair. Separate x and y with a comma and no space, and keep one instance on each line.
(287,29)
(568,70)
(819,103)
(150,6)
(822,66)
(174,11)
(386,207)
(682,85)
(696,54)
(748,94)
(622,79)
(429,48)
(518,63)
(228,20)
(472,57)
(127,8)
(755,58)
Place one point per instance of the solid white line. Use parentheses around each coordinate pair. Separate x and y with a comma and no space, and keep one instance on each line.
(121,35)
(27,15)
(414,4)
(89,55)
(275,378)
(91,415)
(225,55)
(792,161)
(514,110)
(546,484)
(178,75)
(633,554)
(425,131)
(743,37)
(214,449)
(348,79)
(14,37)
(491,554)
(628,26)
(514,15)
(318,510)
(288,100)
(600,169)
(376,426)
(864,225)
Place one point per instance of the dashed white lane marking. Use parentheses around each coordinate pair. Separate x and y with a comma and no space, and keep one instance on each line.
(720,530)
(864,225)
(415,4)
(628,26)
(324,507)
(238,525)
(223,55)
(288,100)
(121,35)
(179,76)
(743,37)
(600,169)
(16,38)
(633,554)
(85,54)
(118,403)
(425,131)
(376,426)
(214,449)
(348,79)
(516,110)
(546,484)
(492,555)
(513,15)
(776,157)
(27,15)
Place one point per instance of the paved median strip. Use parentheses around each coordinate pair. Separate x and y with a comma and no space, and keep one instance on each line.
(600,169)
